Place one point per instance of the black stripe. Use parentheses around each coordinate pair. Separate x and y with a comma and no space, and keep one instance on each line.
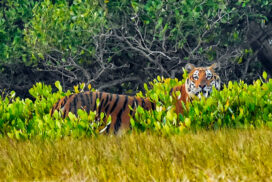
(83,104)
(100,95)
(106,102)
(115,103)
(153,106)
(55,107)
(107,107)
(57,104)
(65,108)
(110,97)
(119,116)
(143,103)
(65,100)
(91,103)
(100,106)
(133,106)
(88,102)
(60,102)
(75,104)
(136,102)
(171,91)
(64,113)
(108,128)
(96,95)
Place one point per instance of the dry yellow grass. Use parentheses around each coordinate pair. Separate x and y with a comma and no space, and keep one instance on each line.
(235,155)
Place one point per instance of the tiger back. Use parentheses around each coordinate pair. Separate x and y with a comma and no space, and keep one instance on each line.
(114,105)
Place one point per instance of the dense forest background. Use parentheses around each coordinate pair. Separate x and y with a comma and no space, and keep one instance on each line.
(116,46)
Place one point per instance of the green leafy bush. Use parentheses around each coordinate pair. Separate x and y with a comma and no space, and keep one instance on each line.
(24,118)
(60,29)
(237,105)
(14,14)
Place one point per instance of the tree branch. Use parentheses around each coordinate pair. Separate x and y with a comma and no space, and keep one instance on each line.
(117,82)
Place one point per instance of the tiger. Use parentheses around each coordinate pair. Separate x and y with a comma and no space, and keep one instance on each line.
(200,82)
(120,107)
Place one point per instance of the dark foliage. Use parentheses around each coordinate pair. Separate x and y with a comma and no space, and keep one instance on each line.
(118,45)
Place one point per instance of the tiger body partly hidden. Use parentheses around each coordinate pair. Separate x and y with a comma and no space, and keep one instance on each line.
(121,107)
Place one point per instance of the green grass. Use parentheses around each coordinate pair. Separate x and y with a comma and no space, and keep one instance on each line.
(236,155)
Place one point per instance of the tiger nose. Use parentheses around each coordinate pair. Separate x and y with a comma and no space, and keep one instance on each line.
(202,86)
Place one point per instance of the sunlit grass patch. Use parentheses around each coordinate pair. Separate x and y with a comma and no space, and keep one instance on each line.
(222,155)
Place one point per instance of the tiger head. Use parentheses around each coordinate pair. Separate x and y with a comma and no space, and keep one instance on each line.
(201,80)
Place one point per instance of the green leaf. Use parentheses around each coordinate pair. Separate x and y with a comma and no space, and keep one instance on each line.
(230,85)
(269,124)
(58,85)
(135,6)
(71,116)
(187,122)
(159,23)
(264,75)
(145,87)
(82,86)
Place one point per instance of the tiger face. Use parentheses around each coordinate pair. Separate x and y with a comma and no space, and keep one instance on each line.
(201,80)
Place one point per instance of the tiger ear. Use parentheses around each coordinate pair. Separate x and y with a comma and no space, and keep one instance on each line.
(214,66)
(189,67)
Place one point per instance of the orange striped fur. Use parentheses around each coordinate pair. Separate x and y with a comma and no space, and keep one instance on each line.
(111,104)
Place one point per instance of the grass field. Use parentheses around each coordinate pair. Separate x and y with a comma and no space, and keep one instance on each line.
(235,155)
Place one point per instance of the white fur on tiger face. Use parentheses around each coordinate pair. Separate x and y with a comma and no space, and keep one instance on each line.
(201,80)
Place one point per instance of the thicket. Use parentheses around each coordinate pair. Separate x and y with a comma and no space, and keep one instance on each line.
(119,45)
(238,105)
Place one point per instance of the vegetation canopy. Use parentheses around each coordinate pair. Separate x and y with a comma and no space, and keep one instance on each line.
(117,46)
